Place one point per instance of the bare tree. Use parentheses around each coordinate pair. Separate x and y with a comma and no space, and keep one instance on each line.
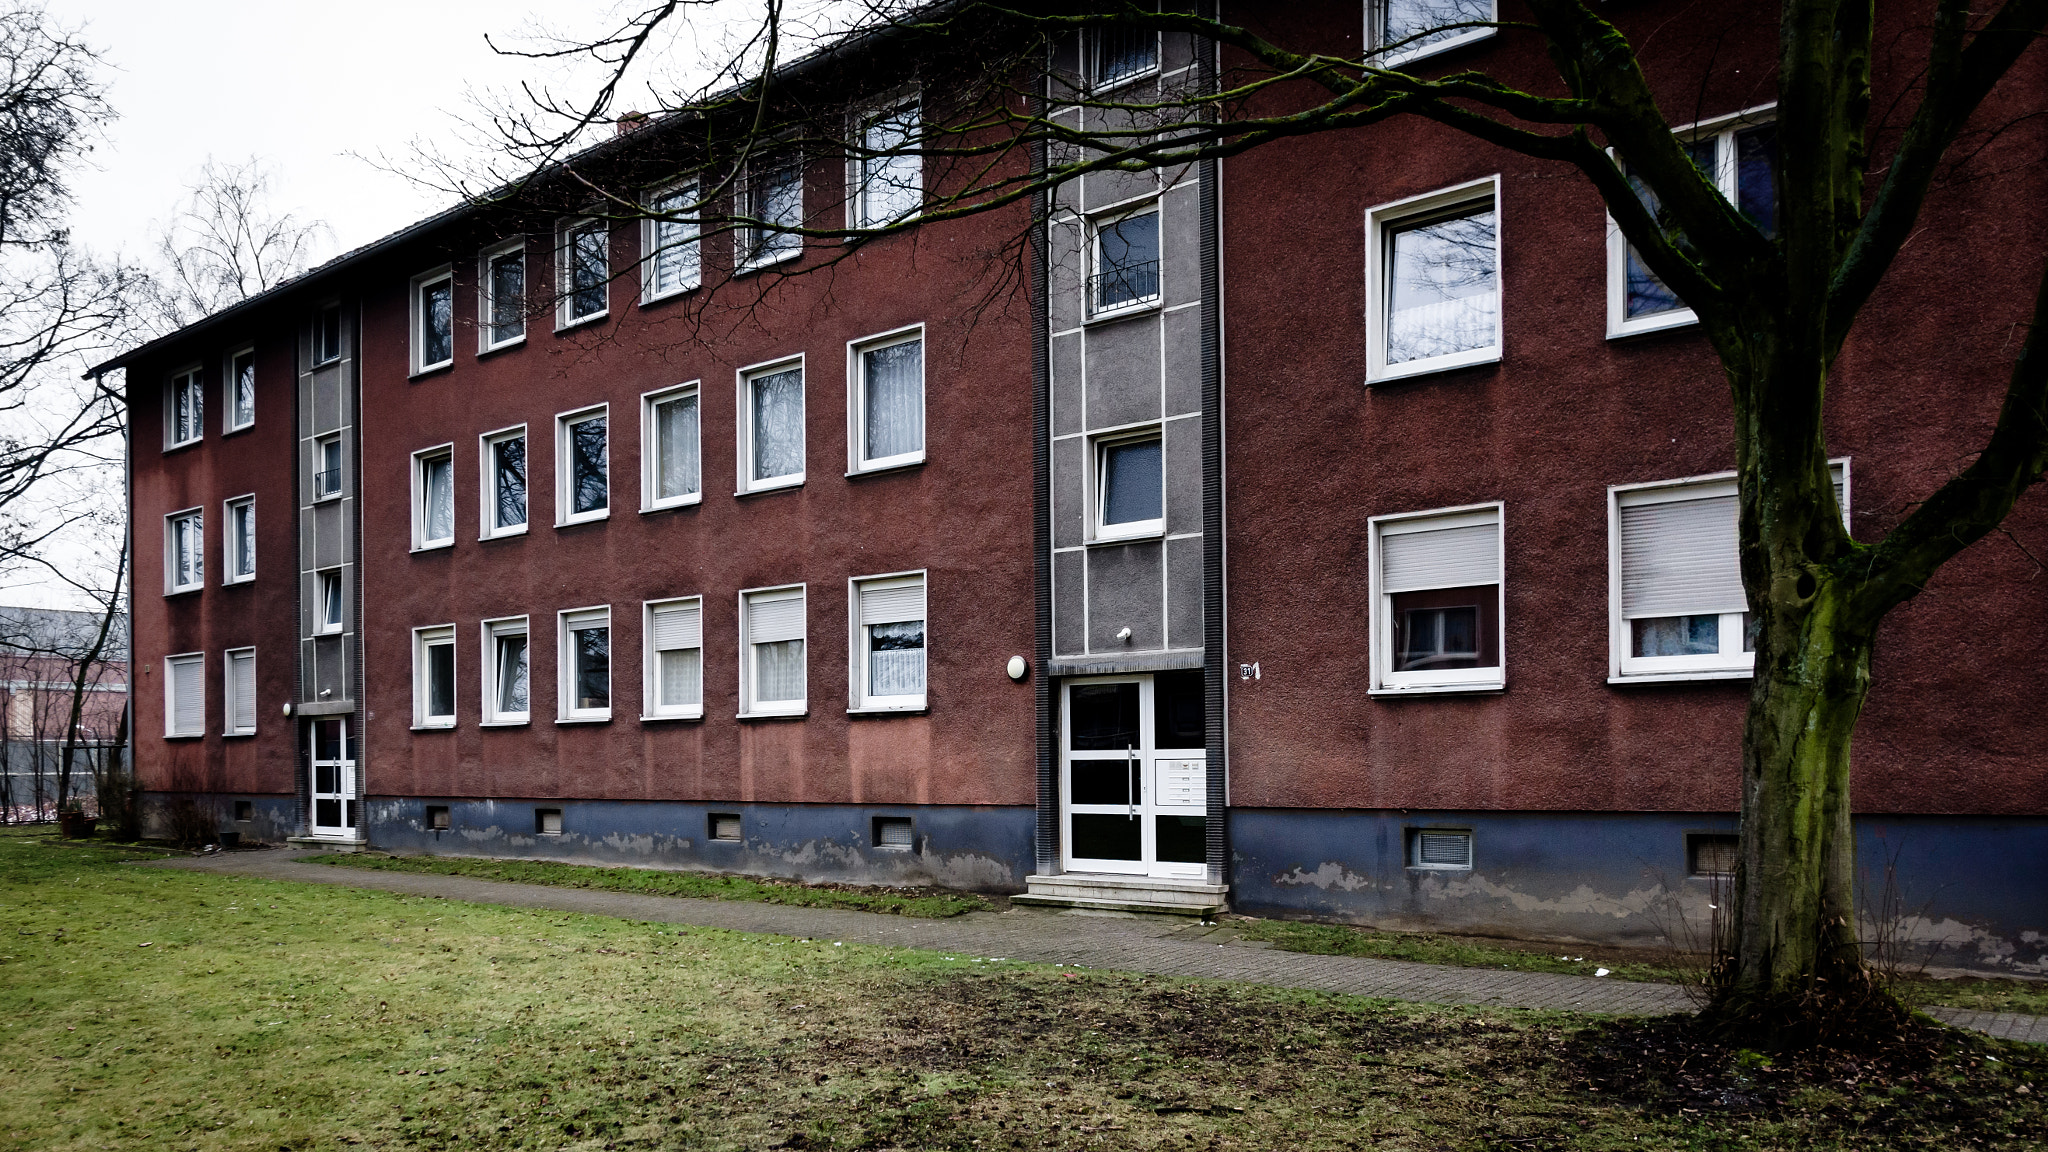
(225,244)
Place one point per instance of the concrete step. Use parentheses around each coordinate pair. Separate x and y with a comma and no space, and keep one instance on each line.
(1125,894)
(326,845)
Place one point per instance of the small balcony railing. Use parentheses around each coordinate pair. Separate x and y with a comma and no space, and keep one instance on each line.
(1117,288)
(327,483)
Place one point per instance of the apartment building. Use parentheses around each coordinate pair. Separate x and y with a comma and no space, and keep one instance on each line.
(1344,529)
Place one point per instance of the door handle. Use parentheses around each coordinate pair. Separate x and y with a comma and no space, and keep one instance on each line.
(1132,797)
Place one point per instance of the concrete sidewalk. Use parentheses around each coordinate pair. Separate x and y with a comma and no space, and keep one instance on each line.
(1160,945)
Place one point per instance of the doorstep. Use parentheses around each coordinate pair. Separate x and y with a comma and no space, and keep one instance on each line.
(1111,893)
(328,844)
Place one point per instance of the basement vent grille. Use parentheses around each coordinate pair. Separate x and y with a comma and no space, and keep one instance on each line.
(725,826)
(437,818)
(547,821)
(893,832)
(1435,848)
(1711,853)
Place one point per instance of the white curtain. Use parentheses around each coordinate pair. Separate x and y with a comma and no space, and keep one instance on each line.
(245,540)
(675,424)
(675,245)
(682,681)
(438,488)
(778,424)
(892,185)
(779,671)
(895,399)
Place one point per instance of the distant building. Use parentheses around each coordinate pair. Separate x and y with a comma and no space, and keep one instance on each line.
(41,651)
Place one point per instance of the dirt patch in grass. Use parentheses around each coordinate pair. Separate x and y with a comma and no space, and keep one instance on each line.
(933,903)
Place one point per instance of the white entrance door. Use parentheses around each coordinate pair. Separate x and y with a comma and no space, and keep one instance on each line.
(334,780)
(1133,779)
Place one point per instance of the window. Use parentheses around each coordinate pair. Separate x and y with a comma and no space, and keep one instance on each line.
(547,821)
(433,321)
(437,818)
(241,389)
(504,483)
(501,304)
(582,468)
(669,454)
(239,541)
(1678,609)
(1126,262)
(893,832)
(240,692)
(1438,603)
(888,401)
(772,652)
(1739,154)
(888,643)
(185,422)
(327,467)
(669,238)
(1439,848)
(506,680)
(433,677)
(585,262)
(1433,293)
(1712,854)
(184,551)
(327,335)
(723,826)
(674,631)
(1119,54)
(773,202)
(886,175)
(585,664)
(1130,486)
(433,498)
(328,605)
(1403,31)
(772,431)
(185,695)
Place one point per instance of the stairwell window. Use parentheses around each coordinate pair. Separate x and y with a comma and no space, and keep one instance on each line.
(433,321)
(185,695)
(1404,31)
(1678,609)
(1117,55)
(184,551)
(1739,155)
(583,262)
(327,467)
(1438,602)
(772,632)
(433,677)
(239,691)
(327,335)
(185,410)
(241,390)
(888,643)
(433,503)
(887,417)
(501,300)
(772,200)
(584,666)
(583,486)
(239,541)
(886,174)
(772,426)
(1433,286)
(327,604)
(670,448)
(507,689)
(503,459)
(673,259)
(1130,486)
(1125,262)
(674,658)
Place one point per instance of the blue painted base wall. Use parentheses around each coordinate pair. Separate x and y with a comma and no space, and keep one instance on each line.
(1967,892)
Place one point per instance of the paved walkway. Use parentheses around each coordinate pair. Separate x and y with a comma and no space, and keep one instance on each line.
(1161,945)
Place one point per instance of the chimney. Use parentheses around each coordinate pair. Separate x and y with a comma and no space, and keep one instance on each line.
(631,121)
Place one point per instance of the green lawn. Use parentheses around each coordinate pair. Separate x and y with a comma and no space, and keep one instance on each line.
(153,1009)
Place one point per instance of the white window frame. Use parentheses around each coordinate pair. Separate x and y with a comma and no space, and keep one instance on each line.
(565,274)
(171,731)
(1091,59)
(417,301)
(1375,34)
(744,261)
(492,631)
(323,580)
(750,708)
(1722,129)
(172,585)
(424,639)
(421,542)
(1413,849)
(191,380)
(861,700)
(650,454)
(564,478)
(1625,668)
(857,401)
(230,545)
(1384,680)
(864,118)
(651,707)
(229,659)
(487,483)
(650,238)
(487,298)
(1098,485)
(565,665)
(227,408)
(340,334)
(747,483)
(1110,217)
(1382,219)
(320,444)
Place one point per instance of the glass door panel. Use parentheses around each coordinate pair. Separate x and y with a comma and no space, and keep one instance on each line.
(334,770)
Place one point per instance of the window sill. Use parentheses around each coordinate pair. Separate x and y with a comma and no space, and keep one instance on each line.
(327,631)
(184,735)
(442,546)
(1408,56)
(185,591)
(767,486)
(580,321)
(182,444)
(753,266)
(501,346)
(236,735)
(324,363)
(585,518)
(1104,87)
(671,505)
(448,727)
(431,370)
(503,533)
(1682,318)
(1681,677)
(883,469)
(238,428)
(1133,538)
(1440,689)
(648,300)
(685,717)
(238,580)
(1125,311)
(504,723)
(327,498)
(773,715)
(911,710)
(605,719)
(1434,366)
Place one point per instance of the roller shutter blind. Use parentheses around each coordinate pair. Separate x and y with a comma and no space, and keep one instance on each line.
(678,626)
(242,673)
(1440,558)
(892,601)
(188,695)
(775,616)
(1681,557)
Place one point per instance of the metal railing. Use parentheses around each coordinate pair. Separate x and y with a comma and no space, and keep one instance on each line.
(1122,287)
(327,483)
